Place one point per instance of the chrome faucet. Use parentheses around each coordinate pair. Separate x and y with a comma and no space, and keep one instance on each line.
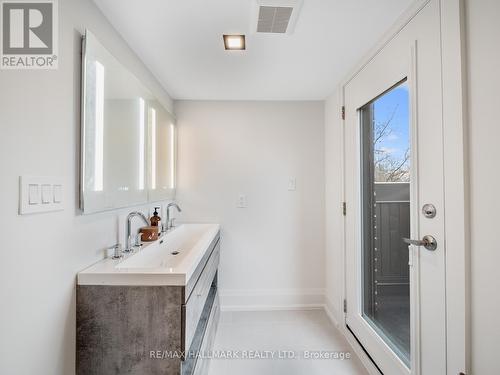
(130,216)
(170,222)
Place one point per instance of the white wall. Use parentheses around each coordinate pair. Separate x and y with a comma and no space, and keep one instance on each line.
(483,60)
(333,212)
(41,254)
(273,251)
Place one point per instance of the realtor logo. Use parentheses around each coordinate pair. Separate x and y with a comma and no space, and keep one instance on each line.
(29,34)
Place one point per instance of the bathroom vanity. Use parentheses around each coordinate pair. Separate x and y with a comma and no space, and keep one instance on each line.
(155,311)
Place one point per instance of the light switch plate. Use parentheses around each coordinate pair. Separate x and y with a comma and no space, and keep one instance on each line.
(40,194)
(292,184)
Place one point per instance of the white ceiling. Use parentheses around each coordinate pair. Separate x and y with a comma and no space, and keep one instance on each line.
(181,43)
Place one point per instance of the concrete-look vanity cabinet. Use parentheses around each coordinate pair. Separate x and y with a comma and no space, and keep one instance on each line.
(149,329)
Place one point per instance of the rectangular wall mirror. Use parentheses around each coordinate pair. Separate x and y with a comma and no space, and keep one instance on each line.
(128,137)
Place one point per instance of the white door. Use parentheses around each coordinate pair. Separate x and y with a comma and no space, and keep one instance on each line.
(395,292)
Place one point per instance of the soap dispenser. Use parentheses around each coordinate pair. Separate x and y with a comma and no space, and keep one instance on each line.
(156,220)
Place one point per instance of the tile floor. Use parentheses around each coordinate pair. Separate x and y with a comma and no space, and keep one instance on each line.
(281,332)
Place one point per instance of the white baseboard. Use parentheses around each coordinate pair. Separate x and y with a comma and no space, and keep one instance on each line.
(282,307)
(275,299)
(332,312)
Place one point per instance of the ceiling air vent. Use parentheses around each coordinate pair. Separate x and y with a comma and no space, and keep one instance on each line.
(276,16)
(274,19)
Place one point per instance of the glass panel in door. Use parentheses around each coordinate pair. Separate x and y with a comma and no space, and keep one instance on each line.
(385,188)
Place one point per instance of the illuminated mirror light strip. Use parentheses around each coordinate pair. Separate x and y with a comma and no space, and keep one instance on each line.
(153,148)
(172,156)
(99,128)
(141,143)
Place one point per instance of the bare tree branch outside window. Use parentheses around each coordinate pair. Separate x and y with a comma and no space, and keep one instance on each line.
(389,167)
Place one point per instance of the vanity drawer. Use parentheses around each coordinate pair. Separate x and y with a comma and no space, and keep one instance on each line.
(201,266)
(203,362)
(191,311)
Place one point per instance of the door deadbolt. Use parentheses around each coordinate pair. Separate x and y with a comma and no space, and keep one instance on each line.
(429,210)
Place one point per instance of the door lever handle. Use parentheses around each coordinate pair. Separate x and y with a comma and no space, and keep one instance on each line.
(427,241)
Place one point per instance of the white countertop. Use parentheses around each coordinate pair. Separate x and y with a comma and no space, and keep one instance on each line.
(154,263)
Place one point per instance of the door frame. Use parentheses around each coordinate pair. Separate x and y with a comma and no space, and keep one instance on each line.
(456,185)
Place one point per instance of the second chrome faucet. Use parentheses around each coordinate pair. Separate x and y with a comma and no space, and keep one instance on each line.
(170,222)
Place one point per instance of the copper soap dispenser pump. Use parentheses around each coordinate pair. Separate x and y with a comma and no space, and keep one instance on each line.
(156,220)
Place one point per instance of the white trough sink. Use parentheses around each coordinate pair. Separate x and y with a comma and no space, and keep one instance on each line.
(169,261)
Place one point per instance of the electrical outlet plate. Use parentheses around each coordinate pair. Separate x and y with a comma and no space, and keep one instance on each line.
(242,201)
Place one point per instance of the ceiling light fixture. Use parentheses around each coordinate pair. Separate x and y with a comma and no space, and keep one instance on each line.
(234,42)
